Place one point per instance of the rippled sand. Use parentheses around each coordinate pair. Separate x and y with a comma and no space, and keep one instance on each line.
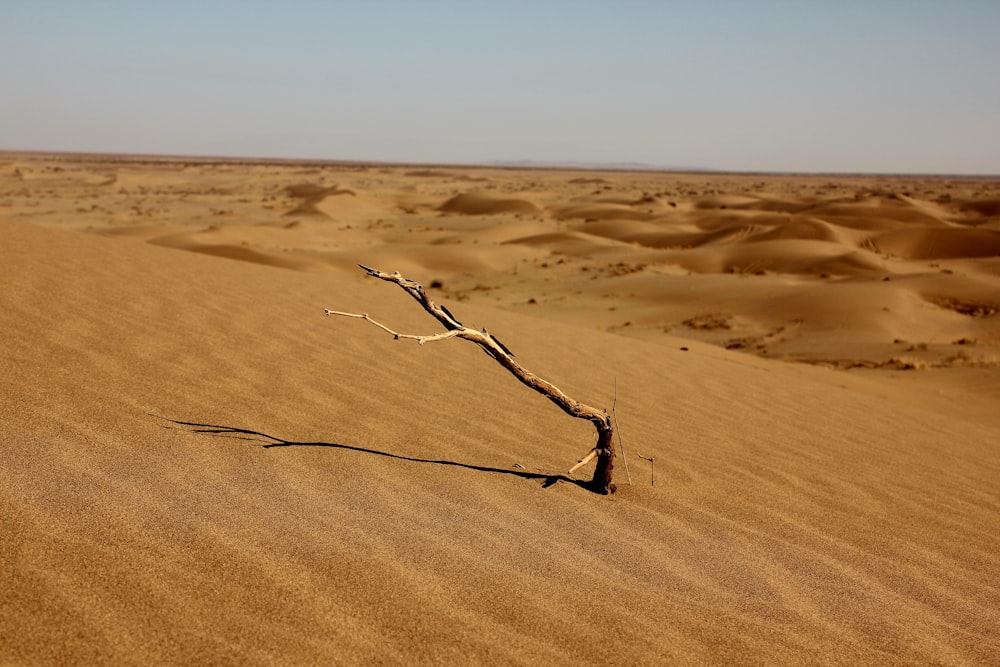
(198,467)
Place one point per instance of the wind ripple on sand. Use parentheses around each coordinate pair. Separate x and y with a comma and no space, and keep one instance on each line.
(312,492)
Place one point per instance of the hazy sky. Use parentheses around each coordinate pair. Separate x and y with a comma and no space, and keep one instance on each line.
(807,85)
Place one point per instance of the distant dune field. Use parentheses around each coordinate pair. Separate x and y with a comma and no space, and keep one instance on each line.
(199,468)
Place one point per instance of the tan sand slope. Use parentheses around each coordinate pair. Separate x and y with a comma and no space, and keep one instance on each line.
(200,468)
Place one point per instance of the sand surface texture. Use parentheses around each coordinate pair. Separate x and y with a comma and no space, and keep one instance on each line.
(198,467)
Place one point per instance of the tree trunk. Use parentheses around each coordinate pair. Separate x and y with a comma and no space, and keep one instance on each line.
(605,459)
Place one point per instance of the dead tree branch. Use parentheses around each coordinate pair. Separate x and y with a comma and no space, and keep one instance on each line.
(605,449)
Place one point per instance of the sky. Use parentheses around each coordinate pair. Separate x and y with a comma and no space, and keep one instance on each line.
(877,86)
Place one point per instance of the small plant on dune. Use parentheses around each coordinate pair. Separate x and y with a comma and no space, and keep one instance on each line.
(604,451)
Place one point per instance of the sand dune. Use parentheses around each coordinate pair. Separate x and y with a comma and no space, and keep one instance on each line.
(986,208)
(601,212)
(241,253)
(811,229)
(333,202)
(939,243)
(200,468)
(474,203)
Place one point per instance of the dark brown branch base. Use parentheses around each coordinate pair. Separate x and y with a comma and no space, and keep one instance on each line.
(605,449)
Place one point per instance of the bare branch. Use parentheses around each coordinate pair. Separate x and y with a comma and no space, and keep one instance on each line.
(591,455)
(604,451)
(652,472)
(395,334)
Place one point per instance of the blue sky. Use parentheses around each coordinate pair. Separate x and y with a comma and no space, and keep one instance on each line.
(880,86)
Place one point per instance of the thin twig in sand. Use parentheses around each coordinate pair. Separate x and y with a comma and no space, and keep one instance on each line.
(618,428)
(652,474)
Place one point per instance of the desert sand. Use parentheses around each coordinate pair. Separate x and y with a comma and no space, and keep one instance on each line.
(200,468)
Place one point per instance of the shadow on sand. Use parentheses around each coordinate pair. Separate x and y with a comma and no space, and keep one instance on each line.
(270,442)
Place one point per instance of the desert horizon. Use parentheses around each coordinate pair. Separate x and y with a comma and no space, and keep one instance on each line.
(201,467)
(485,163)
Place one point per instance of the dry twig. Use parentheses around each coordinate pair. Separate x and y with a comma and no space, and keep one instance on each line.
(652,473)
(618,429)
(605,449)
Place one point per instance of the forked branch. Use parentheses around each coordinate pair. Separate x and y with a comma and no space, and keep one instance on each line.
(604,451)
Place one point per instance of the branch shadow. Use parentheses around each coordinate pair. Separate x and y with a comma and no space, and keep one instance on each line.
(271,442)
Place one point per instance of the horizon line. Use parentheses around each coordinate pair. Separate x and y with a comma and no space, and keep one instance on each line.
(527,164)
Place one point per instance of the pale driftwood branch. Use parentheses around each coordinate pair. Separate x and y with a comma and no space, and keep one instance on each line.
(584,461)
(605,449)
(420,339)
